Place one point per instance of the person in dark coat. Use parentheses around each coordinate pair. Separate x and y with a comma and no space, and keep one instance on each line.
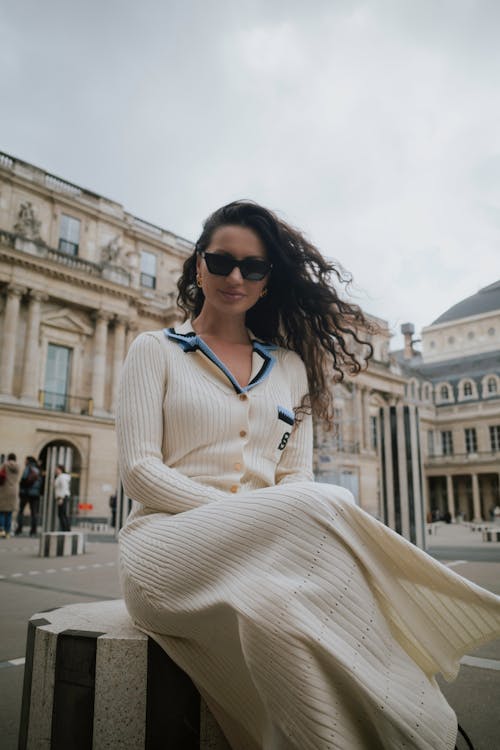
(30,491)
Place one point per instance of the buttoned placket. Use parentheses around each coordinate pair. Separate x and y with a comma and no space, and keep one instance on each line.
(242,417)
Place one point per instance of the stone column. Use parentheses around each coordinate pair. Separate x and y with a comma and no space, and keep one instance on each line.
(9,340)
(29,389)
(367,445)
(132,329)
(358,418)
(450,498)
(475,498)
(118,355)
(99,365)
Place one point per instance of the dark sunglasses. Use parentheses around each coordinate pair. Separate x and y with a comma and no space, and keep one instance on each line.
(252,269)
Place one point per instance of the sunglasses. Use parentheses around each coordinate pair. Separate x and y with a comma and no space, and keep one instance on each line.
(252,269)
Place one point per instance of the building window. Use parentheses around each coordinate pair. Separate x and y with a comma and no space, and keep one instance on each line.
(57,377)
(430,442)
(445,393)
(373,433)
(495,437)
(492,385)
(468,388)
(491,331)
(69,235)
(470,440)
(148,270)
(447,442)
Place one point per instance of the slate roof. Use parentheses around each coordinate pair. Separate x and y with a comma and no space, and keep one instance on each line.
(451,370)
(485,300)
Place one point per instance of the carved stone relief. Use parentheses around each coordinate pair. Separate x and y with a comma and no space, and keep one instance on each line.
(27,225)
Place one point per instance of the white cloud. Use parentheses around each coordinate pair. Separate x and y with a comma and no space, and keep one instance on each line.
(373,126)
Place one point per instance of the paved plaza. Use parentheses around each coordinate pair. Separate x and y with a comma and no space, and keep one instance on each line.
(29,584)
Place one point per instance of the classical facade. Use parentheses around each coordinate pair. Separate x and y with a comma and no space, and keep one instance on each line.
(79,278)
(455,381)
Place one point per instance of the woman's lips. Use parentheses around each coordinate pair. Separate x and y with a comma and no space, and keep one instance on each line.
(232,296)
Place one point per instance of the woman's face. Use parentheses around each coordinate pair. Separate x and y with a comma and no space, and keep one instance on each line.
(232,294)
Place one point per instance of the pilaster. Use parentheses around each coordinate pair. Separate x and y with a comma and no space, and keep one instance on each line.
(9,341)
(29,389)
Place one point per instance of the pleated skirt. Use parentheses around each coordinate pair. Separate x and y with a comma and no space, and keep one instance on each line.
(305,623)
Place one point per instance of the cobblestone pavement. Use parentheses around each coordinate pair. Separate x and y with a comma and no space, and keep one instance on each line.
(29,584)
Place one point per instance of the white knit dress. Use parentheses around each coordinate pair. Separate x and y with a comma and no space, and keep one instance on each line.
(306,623)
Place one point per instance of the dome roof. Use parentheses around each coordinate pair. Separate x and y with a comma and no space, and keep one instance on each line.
(484,301)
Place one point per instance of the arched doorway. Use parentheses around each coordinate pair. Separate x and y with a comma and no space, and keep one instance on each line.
(52,454)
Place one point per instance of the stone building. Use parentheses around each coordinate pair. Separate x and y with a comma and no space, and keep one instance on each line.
(79,278)
(455,381)
(374,448)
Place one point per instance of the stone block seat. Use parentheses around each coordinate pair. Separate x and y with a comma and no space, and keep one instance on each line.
(93,681)
(62,543)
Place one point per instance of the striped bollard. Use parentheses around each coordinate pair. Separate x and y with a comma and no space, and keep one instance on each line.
(93,681)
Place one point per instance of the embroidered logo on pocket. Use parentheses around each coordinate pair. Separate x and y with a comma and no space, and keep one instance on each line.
(284,441)
(287,416)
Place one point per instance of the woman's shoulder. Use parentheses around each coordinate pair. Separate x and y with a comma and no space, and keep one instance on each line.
(151,340)
(290,358)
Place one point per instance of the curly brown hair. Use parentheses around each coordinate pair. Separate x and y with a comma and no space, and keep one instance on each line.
(302,310)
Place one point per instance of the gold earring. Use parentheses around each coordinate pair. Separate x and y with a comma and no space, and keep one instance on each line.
(263,293)
(198,280)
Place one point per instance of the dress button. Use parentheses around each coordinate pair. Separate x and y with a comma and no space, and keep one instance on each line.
(243,433)
(243,397)
(234,488)
(237,466)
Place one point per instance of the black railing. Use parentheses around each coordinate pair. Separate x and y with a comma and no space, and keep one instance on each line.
(66,403)
(65,246)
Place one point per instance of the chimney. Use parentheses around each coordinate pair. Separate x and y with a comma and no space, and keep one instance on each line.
(408,329)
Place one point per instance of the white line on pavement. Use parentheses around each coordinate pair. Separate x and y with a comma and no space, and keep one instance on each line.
(455,562)
(476,661)
(66,569)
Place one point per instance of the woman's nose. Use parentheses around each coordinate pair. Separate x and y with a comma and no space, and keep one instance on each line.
(235,275)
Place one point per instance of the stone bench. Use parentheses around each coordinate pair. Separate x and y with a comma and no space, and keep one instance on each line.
(491,535)
(92,681)
(62,543)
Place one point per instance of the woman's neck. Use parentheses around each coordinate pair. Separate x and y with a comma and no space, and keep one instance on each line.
(226,328)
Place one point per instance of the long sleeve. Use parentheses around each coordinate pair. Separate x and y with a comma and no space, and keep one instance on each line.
(296,462)
(139,428)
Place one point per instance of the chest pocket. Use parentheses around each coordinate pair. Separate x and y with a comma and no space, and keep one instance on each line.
(286,420)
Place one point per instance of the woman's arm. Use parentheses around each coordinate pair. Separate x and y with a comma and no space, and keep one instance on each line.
(139,429)
(296,461)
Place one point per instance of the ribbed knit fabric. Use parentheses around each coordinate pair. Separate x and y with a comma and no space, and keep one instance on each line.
(305,623)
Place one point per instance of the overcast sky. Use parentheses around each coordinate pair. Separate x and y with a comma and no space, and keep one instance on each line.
(373,126)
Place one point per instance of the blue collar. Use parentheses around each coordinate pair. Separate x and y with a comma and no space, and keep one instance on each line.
(190,342)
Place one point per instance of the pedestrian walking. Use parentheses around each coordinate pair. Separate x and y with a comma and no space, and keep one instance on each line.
(9,493)
(62,495)
(30,490)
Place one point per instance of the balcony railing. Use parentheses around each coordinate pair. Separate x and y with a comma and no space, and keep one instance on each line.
(65,403)
(462,458)
(337,446)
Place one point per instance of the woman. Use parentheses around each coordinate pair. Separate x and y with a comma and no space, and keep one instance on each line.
(305,623)
(9,493)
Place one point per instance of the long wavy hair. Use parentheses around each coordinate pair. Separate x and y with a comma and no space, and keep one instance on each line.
(302,311)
